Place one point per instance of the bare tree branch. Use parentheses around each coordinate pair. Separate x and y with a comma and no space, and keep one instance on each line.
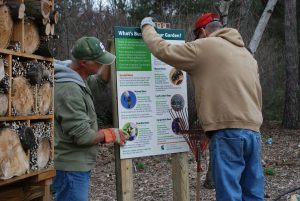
(260,28)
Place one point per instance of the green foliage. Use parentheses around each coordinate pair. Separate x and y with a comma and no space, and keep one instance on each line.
(140,166)
(269,171)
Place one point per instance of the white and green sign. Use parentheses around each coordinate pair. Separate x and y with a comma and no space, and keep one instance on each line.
(147,88)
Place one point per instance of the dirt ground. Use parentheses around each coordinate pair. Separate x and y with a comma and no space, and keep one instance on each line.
(153,175)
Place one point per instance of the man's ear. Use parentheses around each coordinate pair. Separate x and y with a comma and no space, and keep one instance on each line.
(203,33)
(82,63)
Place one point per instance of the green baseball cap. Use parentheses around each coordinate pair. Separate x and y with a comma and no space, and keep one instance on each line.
(91,48)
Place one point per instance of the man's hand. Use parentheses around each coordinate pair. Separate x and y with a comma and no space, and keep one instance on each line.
(147,20)
(113,135)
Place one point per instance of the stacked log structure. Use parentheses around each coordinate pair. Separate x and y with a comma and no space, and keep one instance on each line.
(37,18)
(26,98)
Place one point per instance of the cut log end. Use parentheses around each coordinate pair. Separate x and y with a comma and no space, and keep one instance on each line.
(39,10)
(14,161)
(54,17)
(43,153)
(45,21)
(22,97)
(4,104)
(6,26)
(31,35)
(52,31)
(47,29)
(21,11)
(45,8)
(45,98)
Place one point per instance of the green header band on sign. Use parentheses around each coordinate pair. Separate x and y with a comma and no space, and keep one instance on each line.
(135,32)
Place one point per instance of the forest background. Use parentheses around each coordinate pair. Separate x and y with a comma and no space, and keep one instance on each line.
(98,18)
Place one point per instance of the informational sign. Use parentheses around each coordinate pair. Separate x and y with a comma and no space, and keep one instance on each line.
(147,89)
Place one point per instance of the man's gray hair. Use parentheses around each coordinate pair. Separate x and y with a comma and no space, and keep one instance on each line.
(213,26)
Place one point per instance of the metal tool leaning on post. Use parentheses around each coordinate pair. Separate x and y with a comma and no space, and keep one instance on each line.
(75,120)
(228,100)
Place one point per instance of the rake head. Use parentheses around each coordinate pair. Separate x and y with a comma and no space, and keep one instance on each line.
(193,135)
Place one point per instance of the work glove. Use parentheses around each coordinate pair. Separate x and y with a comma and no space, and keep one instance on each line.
(147,20)
(114,135)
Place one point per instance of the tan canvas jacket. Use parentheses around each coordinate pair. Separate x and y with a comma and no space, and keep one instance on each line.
(224,73)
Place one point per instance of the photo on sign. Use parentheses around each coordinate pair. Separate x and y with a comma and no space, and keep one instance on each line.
(130,131)
(177,102)
(128,99)
(176,76)
(177,124)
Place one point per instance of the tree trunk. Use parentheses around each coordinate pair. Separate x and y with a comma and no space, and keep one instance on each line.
(260,28)
(223,11)
(245,15)
(291,107)
(6,26)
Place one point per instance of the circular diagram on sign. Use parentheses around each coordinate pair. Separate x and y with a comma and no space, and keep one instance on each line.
(128,99)
(176,76)
(176,125)
(130,131)
(177,102)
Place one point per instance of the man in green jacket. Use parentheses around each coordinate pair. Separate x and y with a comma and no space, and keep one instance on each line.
(75,120)
(228,100)
(101,90)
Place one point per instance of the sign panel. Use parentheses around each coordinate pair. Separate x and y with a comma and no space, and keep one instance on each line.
(147,89)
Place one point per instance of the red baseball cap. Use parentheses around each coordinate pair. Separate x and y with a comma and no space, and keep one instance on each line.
(203,20)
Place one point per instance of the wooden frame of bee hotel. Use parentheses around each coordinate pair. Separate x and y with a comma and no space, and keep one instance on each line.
(26,99)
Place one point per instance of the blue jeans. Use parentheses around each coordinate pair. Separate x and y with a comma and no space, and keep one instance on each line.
(236,165)
(71,185)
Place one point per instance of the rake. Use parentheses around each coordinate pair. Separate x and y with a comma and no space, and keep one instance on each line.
(194,136)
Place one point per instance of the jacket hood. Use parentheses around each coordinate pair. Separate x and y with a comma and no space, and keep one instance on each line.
(229,34)
(63,73)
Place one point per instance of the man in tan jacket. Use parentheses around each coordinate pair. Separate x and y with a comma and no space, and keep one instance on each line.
(228,100)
